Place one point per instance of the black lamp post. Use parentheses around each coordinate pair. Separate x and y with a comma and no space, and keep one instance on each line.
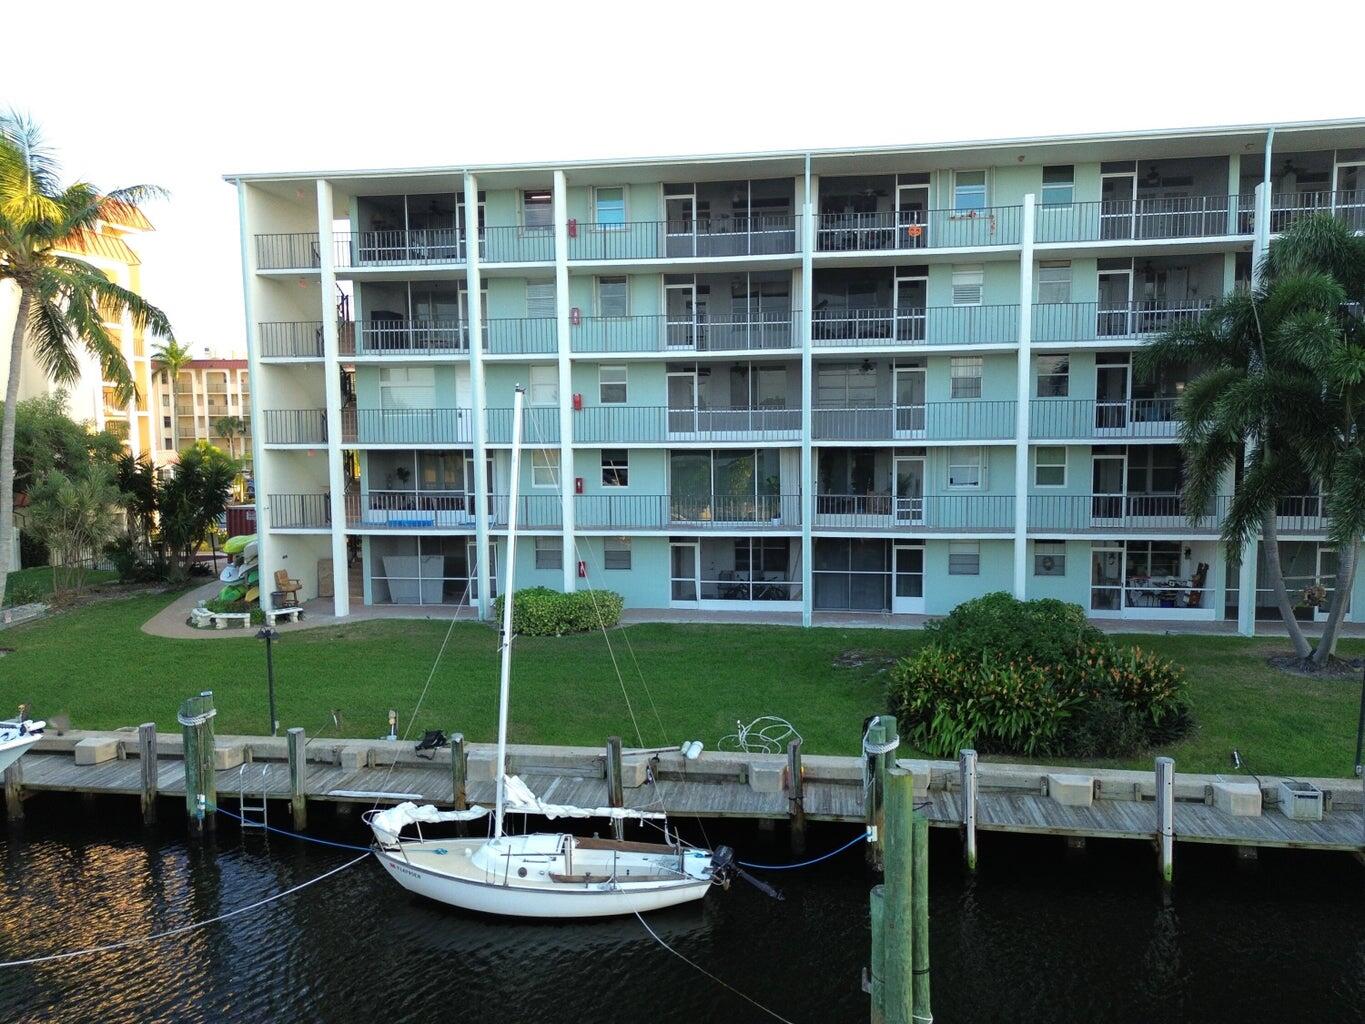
(269,635)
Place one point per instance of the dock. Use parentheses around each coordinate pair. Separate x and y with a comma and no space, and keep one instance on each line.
(1042,800)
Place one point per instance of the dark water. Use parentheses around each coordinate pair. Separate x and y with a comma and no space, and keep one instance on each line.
(1039,935)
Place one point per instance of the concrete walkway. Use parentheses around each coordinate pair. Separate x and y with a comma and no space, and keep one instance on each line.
(171,620)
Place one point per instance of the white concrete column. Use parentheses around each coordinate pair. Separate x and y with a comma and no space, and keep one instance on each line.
(264,539)
(811,182)
(478,413)
(567,469)
(331,375)
(1024,373)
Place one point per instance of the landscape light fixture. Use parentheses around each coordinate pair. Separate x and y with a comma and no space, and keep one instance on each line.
(269,635)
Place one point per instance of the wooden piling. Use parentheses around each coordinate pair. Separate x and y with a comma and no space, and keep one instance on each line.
(877,970)
(880,731)
(616,796)
(459,778)
(1165,811)
(967,764)
(298,778)
(898,912)
(201,787)
(147,767)
(796,807)
(14,791)
(919,885)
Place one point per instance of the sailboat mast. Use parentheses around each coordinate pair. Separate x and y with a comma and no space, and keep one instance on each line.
(509,578)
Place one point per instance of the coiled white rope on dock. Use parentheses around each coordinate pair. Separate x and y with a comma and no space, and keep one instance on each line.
(183,929)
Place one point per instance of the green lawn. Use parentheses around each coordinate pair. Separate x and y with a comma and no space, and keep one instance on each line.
(25,585)
(95,665)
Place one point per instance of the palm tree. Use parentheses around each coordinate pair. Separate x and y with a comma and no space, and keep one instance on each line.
(1281,386)
(169,358)
(63,300)
(230,427)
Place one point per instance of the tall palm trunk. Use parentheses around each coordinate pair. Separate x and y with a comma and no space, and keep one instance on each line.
(1347,561)
(16,353)
(1270,540)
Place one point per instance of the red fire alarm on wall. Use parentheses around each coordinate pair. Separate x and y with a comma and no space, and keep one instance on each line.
(573,227)
(577,402)
(578,485)
(575,316)
(582,570)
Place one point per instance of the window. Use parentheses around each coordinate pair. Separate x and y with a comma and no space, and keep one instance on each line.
(407,387)
(965,375)
(537,208)
(1059,185)
(969,190)
(966,467)
(544,385)
(166,422)
(616,553)
(1049,466)
(765,555)
(549,553)
(611,385)
(1054,281)
(540,299)
(544,467)
(964,558)
(613,296)
(611,207)
(845,386)
(615,467)
(967,283)
(1049,558)
(1054,376)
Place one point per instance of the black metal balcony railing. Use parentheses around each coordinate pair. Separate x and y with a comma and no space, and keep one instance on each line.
(517,244)
(709,332)
(539,425)
(1088,321)
(534,511)
(918,229)
(300,511)
(406,426)
(299,250)
(398,247)
(295,426)
(967,513)
(964,420)
(419,337)
(1067,418)
(1288,208)
(707,512)
(1142,219)
(1071,513)
(916,325)
(766,234)
(611,423)
(527,335)
(409,509)
(290,340)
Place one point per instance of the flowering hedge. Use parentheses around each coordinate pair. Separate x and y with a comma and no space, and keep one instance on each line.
(1049,685)
(540,611)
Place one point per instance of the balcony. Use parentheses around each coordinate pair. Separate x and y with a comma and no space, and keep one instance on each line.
(664,512)
(1056,419)
(606,424)
(521,336)
(933,325)
(401,338)
(452,427)
(539,426)
(1112,514)
(1086,321)
(295,426)
(718,332)
(300,511)
(966,420)
(702,237)
(290,340)
(399,247)
(1287,208)
(517,244)
(943,513)
(410,510)
(899,230)
(299,250)
(1158,218)
(534,511)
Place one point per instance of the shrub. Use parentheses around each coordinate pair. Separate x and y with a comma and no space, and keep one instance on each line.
(135,565)
(219,605)
(1034,678)
(540,611)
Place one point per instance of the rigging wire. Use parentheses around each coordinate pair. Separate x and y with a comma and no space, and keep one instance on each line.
(183,929)
(293,835)
(805,863)
(698,967)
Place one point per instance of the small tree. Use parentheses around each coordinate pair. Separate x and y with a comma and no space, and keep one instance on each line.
(76,515)
(193,500)
(139,491)
(170,358)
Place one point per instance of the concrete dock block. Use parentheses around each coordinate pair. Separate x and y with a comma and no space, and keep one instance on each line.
(1071,790)
(351,758)
(383,754)
(1240,799)
(482,765)
(633,772)
(96,750)
(228,755)
(766,778)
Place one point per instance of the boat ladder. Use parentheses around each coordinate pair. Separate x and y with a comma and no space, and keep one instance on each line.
(253,815)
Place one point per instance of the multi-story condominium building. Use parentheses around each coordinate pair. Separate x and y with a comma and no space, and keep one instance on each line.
(208,396)
(879,380)
(91,398)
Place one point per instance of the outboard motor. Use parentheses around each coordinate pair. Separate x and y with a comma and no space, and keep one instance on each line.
(725,866)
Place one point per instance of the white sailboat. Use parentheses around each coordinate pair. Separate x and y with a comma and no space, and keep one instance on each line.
(553,874)
(16,736)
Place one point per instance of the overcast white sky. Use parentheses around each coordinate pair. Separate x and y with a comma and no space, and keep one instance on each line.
(181,93)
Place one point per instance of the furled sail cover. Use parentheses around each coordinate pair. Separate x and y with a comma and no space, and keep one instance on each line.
(520,800)
(388,823)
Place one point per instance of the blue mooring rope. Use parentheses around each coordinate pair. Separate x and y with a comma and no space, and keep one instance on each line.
(294,835)
(804,863)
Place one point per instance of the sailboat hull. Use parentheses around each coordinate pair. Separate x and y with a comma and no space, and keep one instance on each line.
(449,872)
